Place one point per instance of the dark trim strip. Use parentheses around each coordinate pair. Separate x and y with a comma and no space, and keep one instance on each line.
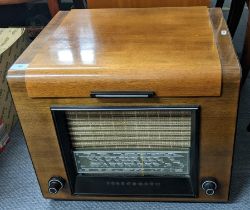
(122,94)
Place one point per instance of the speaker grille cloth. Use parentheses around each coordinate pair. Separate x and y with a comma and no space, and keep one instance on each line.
(155,129)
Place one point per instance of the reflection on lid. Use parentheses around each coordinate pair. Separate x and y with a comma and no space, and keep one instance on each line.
(87,56)
(65,56)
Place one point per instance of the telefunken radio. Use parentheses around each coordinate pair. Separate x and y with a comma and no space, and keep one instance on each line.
(130,104)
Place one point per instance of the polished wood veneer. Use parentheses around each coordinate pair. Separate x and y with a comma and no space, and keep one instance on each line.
(93,50)
(218,113)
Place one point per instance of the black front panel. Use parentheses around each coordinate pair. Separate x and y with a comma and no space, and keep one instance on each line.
(147,151)
(142,186)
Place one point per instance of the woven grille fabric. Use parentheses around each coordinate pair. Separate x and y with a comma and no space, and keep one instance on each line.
(129,129)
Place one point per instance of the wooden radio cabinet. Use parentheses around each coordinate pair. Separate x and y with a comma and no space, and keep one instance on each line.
(130,104)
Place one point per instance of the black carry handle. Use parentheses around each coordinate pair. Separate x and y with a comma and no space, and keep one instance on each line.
(122,94)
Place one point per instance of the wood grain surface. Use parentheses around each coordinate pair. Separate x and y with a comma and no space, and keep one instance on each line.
(170,51)
(217,127)
(145,3)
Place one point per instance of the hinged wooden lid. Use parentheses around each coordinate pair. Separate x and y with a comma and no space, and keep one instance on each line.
(170,51)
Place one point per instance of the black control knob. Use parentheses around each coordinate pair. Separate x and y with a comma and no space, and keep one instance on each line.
(55,184)
(209,186)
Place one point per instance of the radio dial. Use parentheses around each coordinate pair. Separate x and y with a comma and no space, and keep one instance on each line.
(56,184)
